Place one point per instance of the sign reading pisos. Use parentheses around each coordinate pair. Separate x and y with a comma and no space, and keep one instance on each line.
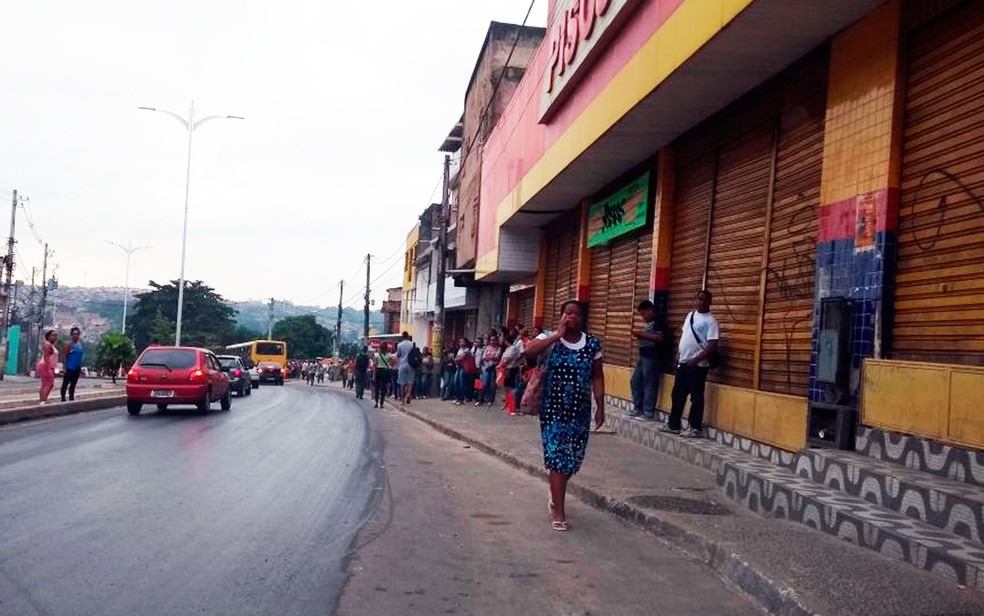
(578,35)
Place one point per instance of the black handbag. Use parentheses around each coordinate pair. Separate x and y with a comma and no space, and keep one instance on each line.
(715,359)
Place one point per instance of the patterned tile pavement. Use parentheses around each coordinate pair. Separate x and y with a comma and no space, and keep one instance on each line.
(930,522)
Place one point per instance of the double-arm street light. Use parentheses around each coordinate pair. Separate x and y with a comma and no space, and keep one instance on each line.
(129,249)
(191,125)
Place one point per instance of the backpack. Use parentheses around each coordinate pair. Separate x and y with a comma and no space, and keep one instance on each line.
(415,358)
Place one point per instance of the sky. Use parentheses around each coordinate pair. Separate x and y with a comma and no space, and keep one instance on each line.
(345,105)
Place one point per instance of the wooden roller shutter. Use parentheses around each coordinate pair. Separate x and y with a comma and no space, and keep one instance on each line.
(939,287)
(621,292)
(787,322)
(737,240)
(694,190)
(601,259)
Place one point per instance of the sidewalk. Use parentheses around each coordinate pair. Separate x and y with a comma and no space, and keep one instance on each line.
(788,568)
(19,398)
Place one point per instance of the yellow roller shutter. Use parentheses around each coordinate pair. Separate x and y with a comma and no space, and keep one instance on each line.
(939,292)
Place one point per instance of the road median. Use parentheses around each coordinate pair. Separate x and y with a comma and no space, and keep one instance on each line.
(29,412)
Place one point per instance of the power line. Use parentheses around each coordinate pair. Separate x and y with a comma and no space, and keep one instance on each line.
(495,89)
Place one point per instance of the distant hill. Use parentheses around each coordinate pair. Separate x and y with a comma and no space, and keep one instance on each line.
(99,309)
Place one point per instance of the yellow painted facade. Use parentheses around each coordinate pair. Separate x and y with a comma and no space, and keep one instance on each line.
(409,279)
(863,137)
(936,401)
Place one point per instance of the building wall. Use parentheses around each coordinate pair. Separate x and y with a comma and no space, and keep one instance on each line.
(481,114)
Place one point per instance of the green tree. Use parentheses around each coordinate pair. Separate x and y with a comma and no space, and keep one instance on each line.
(304,336)
(349,349)
(161,330)
(245,334)
(207,320)
(114,351)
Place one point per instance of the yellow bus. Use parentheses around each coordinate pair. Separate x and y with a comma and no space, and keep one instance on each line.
(252,353)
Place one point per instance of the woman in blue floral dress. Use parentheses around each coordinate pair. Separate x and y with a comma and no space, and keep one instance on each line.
(573,373)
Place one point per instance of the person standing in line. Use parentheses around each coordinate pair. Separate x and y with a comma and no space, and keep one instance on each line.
(511,357)
(490,361)
(47,364)
(449,373)
(406,375)
(645,377)
(425,374)
(466,368)
(73,364)
(698,341)
(361,364)
(573,374)
(381,375)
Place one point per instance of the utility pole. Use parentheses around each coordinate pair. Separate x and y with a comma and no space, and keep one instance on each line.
(7,308)
(338,326)
(442,242)
(44,294)
(270,321)
(365,329)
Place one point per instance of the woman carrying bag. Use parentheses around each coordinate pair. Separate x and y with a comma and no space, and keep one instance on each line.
(572,374)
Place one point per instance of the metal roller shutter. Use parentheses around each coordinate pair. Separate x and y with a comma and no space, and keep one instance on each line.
(601,259)
(939,290)
(621,292)
(737,240)
(694,191)
(561,273)
(527,302)
(643,268)
(787,322)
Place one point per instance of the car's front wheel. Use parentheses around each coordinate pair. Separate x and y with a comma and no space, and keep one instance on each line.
(133,407)
(225,402)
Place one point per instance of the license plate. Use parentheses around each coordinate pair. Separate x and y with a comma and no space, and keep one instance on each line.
(162,393)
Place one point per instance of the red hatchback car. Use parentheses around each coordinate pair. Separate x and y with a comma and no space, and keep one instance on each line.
(177,375)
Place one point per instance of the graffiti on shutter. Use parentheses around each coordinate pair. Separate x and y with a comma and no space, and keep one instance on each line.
(939,290)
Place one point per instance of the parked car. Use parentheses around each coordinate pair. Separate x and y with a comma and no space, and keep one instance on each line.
(270,372)
(239,379)
(167,376)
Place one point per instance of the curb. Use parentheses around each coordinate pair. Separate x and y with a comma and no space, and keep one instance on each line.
(773,597)
(56,409)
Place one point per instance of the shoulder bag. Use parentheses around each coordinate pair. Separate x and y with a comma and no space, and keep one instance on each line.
(714,359)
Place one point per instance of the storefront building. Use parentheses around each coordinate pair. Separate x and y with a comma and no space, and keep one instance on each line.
(818,166)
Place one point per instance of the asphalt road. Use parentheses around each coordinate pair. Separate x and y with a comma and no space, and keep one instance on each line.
(253,511)
(302,501)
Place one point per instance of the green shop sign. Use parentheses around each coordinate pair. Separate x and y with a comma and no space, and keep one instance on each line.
(617,215)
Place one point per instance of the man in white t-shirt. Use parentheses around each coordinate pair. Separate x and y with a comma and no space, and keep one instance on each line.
(698,341)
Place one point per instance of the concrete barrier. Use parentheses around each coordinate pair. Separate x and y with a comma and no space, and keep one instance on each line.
(55,409)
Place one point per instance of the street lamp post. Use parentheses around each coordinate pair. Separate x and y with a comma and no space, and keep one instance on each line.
(129,249)
(191,125)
